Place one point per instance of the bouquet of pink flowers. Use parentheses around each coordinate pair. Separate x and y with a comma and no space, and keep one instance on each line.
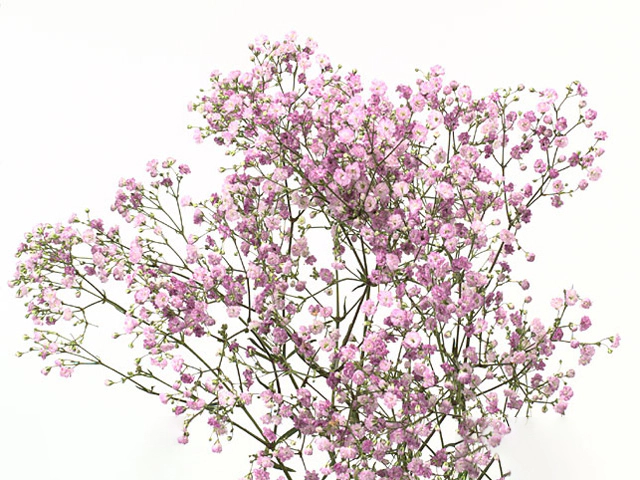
(347,300)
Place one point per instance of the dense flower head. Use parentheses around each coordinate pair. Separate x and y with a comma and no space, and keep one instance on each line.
(347,300)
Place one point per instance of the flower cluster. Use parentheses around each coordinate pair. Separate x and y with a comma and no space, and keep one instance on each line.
(347,299)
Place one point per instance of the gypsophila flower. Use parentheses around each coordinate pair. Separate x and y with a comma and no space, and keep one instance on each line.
(345,300)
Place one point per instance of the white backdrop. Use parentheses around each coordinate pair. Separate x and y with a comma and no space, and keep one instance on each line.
(92,90)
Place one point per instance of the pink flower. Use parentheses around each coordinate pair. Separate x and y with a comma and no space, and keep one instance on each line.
(346,135)
(390,400)
(197,135)
(142,295)
(378,88)
(507,237)
(353,170)
(400,189)
(135,252)
(392,261)
(524,124)
(600,135)
(540,166)
(226,398)
(385,298)
(403,114)
(586,354)
(369,307)
(594,173)
(216,447)
(385,129)
(139,219)
(198,216)
(348,453)
(437,70)
(161,300)
(152,168)
(543,107)
(358,377)
(324,444)
(326,275)
(445,191)
(130,323)
(464,94)
(285,453)
(566,393)
(192,254)
(341,177)
(615,343)
(434,120)
(571,297)
(419,133)
(412,340)
(370,203)
(176,363)
(88,237)
(557,303)
(561,142)
(560,407)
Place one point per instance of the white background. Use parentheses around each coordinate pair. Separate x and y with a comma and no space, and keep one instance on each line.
(92,90)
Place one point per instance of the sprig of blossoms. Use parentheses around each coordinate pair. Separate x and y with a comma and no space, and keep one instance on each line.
(347,300)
